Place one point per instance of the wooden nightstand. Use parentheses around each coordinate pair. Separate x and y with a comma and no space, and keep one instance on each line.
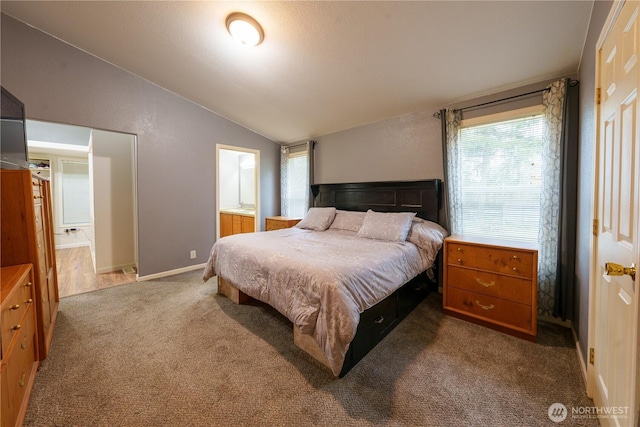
(279,222)
(493,283)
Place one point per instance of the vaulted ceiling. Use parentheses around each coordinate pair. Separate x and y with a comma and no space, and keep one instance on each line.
(324,66)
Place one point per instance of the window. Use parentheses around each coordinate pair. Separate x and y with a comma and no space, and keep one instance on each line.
(500,177)
(294,185)
(74,183)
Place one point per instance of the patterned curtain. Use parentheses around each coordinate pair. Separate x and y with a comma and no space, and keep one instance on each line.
(553,101)
(452,120)
(284,181)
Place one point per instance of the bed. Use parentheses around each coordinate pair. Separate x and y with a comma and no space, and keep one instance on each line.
(359,262)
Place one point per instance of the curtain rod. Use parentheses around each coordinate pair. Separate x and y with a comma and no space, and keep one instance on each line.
(503,99)
(312,142)
(437,113)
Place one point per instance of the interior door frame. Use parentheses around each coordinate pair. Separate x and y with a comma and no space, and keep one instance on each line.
(89,156)
(593,259)
(256,153)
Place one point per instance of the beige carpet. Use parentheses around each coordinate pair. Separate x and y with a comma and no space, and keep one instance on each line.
(171,352)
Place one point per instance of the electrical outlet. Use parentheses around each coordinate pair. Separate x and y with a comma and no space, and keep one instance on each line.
(192,254)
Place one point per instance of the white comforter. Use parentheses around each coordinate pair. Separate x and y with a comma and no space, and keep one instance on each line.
(320,280)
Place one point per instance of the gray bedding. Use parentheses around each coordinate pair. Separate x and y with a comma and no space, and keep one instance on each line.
(320,280)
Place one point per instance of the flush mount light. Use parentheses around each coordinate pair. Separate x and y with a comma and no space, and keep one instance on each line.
(244,29)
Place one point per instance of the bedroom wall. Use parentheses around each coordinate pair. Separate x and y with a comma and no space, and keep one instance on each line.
(402,148)
(176,139)
(587,77)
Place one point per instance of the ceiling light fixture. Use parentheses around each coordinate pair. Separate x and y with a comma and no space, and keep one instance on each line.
(244,29)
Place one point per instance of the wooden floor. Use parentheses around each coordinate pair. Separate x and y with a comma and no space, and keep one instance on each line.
(76,276)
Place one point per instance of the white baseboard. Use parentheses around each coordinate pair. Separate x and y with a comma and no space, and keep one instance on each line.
(114,268)
(581,359)
(73,245)
(171,272)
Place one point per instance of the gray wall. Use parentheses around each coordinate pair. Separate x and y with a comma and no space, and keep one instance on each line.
(587,77)
(403,148)
(176,139)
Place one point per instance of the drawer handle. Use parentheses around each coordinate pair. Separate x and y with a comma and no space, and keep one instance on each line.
(24,343)
(485,307)
(515,257)
(29,301)
(515,269)
(459,260)
(16,327)
(21,383)
(28,284)
(14,307)
(378,320)
(485,284)
(459,249)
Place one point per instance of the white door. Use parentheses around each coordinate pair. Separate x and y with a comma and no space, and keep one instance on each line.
(616,239)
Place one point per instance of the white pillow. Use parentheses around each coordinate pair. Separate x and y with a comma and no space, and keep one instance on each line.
(347,220)
(318,219)
(426,235)
(390,226)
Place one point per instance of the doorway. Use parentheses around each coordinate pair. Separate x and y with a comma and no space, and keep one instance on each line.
(92,174)
(237,184)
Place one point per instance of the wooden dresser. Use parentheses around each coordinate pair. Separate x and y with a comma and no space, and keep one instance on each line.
(19,345)
(27,238)
(279,222)
(493,283)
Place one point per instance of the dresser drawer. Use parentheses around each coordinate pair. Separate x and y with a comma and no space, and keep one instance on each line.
(37,190)
(374,323)
(491,284)
(410,295)
(506,261)
(38,212)
(19,365)
(508,313)
(41,245)
(14,308)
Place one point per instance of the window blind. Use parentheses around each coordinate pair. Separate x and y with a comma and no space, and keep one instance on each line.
(298,174)
(501,178)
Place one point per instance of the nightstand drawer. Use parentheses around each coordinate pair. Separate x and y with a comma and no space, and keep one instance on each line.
(279,222)
(491,284)
(506,261)
(482,306)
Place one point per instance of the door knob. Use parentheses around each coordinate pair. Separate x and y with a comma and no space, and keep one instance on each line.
(614,269)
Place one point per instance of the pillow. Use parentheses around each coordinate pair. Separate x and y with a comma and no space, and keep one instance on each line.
(426,235)
(386,225)
(318,219)
(347,220)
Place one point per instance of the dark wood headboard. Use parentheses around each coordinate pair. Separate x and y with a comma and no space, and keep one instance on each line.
(422,197)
